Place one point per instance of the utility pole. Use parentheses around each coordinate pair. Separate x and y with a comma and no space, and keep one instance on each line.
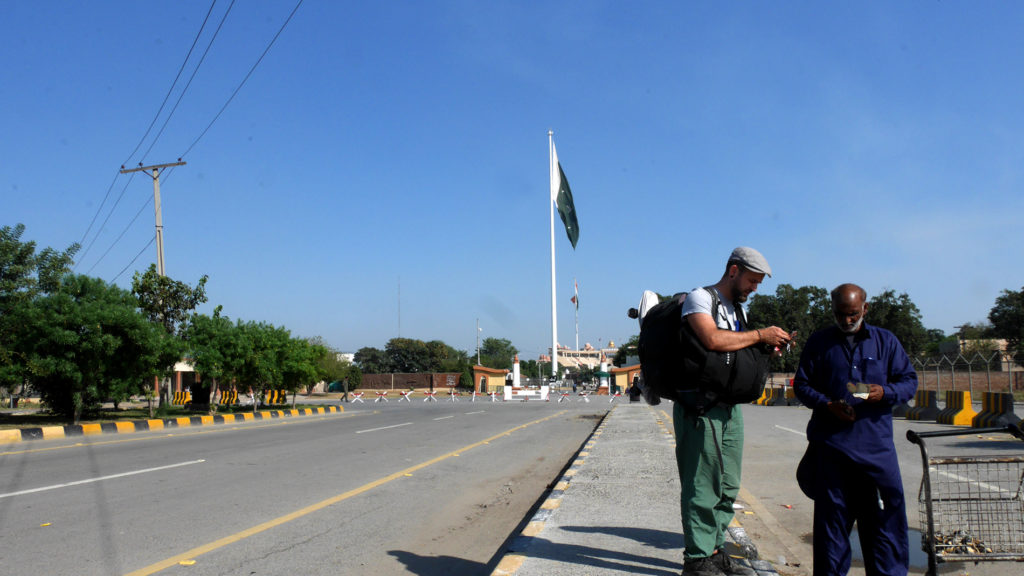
(159,233)
(156,201)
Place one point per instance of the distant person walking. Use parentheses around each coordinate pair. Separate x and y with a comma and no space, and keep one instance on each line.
(709,447)
(851,375)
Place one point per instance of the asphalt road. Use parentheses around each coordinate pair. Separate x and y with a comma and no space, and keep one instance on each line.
(396,488)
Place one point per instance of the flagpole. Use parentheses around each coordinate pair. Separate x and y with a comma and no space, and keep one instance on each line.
(576,293)
(551,206)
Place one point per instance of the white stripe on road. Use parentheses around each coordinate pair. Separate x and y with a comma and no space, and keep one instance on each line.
(797,432)
(443,418)
(477,412)
(383,428)
(100,479)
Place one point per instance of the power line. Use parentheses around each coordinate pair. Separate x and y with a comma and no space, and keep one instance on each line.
(141,140)
(173,84)
(144,248)
(104,224)
(192,77)
(118,239)
(251,70)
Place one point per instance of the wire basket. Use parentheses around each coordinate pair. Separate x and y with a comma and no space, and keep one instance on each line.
(971,508)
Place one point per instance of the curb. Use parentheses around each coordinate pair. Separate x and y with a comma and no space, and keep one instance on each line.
(69,431)
(513,558)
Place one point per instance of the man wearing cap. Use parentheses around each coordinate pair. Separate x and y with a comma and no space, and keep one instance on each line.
(851,375)
(709,446)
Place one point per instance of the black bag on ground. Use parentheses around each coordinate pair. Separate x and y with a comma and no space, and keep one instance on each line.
(673,359)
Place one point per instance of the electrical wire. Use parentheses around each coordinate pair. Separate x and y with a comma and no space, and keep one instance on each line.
(151,240)
(148,201)
(141,140)
(192,77)
(251,70)
(104,224)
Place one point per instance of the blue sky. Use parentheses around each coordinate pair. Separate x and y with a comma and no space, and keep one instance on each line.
(384,171)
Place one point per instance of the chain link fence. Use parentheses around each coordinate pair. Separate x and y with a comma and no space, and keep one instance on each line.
(974,372)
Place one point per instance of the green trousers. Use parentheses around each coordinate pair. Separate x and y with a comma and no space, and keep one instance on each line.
(709,454)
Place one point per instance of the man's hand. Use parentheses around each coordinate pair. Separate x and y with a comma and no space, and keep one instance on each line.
(842,411)
(774,336)
(875,393)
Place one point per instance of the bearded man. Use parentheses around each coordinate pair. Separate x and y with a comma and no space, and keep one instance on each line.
(851,375)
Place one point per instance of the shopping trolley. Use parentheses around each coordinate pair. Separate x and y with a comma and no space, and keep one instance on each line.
(971,507)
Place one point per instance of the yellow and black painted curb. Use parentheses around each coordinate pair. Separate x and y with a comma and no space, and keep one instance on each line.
(513,559)
(53,432)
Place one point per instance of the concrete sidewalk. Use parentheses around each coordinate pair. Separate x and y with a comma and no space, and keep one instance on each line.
(616,509)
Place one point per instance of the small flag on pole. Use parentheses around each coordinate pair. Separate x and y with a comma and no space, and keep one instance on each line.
(561,195)
(576,295)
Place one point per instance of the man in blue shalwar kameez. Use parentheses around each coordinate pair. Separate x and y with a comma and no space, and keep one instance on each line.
(851,375)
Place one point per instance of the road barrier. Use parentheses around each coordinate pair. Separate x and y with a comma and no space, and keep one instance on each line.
(996,410)
(614,396)
(453,396)
(381,395)
(926,406)
(357,397)
(271,397)
(430,396)
(181,398)
(958,410)
(404,395)
(228,397)
(493,395)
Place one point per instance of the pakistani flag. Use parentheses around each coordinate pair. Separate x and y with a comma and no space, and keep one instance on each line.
(561,195)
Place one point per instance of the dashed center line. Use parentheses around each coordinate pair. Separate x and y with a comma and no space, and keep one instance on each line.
(384,428)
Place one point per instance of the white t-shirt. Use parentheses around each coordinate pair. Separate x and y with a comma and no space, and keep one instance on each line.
(698,301)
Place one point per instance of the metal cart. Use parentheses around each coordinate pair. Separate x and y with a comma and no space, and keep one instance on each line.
(971,507)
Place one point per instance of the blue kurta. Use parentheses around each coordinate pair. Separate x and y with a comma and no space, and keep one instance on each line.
(851,470)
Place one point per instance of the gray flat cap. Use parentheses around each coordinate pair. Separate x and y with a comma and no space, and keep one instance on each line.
(751,260)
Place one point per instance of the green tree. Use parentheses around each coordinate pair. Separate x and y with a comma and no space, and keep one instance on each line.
(1007,317)
(299,363)
(804,310)
(899,315)
(331,367)
(86,343)
(210,341)
(497,353)
(168,303)
(371,360)
(24,275)
(405,355)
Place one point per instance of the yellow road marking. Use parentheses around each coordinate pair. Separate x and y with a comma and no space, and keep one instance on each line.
(281,520)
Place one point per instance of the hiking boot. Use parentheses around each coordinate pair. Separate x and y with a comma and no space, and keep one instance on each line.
(726,565)
(701,567)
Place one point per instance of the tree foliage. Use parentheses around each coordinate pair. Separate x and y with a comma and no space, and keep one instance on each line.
(804,310)
(87,343)
(168,302)
(24,275)
(899,315)
(497,353)
(1007,317)
(407,355)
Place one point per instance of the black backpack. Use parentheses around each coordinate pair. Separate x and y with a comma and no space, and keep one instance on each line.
(673,359)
